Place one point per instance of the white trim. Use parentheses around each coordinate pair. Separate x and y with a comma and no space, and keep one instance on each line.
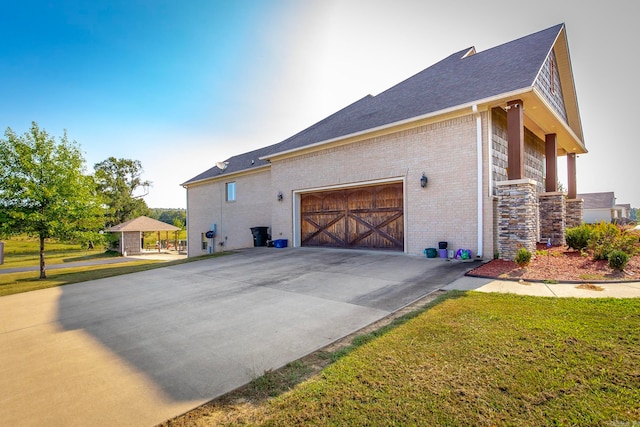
(296,203)
(480,171)
(226,176)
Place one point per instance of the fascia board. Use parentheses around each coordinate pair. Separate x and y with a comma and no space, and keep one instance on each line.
(468,105)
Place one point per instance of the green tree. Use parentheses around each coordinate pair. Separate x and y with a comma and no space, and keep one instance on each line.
(118,180)
(44,191)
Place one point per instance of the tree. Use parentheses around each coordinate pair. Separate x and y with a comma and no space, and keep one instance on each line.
(118,180)
(44,191)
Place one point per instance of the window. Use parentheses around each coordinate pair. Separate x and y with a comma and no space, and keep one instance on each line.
(231,191)
(203,238)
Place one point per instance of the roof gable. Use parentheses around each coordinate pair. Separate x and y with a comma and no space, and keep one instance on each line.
(143,223)
(463,78)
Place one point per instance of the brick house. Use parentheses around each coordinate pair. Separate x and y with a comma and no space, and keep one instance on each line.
(465,152)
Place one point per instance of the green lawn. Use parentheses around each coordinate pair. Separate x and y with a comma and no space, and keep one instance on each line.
(24,252)
(475,359)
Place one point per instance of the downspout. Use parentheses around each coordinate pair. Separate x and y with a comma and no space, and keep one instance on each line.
(474,108)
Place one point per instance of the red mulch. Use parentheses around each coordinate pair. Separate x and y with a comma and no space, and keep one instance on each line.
(559,264)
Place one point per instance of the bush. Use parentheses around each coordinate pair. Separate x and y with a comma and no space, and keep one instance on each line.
(603,239)
(618,259)
(578,237)
(523,257)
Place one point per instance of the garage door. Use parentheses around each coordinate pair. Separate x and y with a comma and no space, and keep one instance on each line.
(364,217)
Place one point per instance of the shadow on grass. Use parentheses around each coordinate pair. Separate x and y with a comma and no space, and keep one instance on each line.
(106,254)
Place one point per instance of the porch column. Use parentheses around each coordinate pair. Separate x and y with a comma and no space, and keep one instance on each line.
(571,176)
(517,217)
(515,137)
(551,157)
(552,218)
(575,209)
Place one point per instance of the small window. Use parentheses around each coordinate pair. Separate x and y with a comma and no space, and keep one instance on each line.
(231,191)
(205,241)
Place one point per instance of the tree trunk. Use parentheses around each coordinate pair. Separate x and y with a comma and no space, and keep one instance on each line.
(43,271)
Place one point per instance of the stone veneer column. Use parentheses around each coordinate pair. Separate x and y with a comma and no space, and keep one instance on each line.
(517,217)
(552,218)
(574,212)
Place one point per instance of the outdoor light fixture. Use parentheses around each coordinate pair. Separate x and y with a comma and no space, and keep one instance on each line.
(280,196)
(423,180)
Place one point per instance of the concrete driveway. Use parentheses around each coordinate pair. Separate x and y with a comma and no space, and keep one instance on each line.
(141,348)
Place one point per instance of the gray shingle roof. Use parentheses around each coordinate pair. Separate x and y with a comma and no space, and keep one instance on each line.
(143,223)
(597,200)
(459,79)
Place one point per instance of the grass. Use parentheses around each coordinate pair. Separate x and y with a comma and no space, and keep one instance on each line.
(24,252)
(477,359)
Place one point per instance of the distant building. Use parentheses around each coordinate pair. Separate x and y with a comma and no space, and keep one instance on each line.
(600,207)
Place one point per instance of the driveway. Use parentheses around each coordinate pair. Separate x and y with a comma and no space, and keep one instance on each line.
(141,348)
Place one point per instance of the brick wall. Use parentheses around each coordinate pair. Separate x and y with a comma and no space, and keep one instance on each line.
(446,210)
(206,205)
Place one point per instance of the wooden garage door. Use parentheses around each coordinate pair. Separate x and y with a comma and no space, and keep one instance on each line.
(363,217)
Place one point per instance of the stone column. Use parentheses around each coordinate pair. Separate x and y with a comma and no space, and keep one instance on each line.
(518,217)
(552,218)
(574,212)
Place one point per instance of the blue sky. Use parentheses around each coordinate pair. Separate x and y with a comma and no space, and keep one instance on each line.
(180,85)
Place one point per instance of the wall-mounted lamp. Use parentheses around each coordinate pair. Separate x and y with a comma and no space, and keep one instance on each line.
(423,180)
(280,196)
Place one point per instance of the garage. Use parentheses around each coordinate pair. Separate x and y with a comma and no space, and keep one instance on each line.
(369,217)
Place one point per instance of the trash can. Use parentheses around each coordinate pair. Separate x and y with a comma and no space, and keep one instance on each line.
(260,236)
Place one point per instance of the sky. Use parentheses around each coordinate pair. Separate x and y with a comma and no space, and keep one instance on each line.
(180,85)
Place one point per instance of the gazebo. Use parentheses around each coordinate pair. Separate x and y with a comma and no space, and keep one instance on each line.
(131,237)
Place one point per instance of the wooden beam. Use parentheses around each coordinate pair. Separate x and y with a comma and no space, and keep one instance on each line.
(551,157)
(571,176)
(515,137)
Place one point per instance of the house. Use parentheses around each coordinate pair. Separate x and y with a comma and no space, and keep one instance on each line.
(463,152)
(600,207)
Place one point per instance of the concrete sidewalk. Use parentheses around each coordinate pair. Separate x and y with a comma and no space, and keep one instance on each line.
(574,290)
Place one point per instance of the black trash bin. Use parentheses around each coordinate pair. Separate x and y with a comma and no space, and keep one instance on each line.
(260,235)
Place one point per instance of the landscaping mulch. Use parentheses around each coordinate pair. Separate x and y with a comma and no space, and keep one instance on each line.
(560,264)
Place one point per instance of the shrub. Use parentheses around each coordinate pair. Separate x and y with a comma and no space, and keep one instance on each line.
(523,257)
(578,237)
(603,240)
(618,259)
